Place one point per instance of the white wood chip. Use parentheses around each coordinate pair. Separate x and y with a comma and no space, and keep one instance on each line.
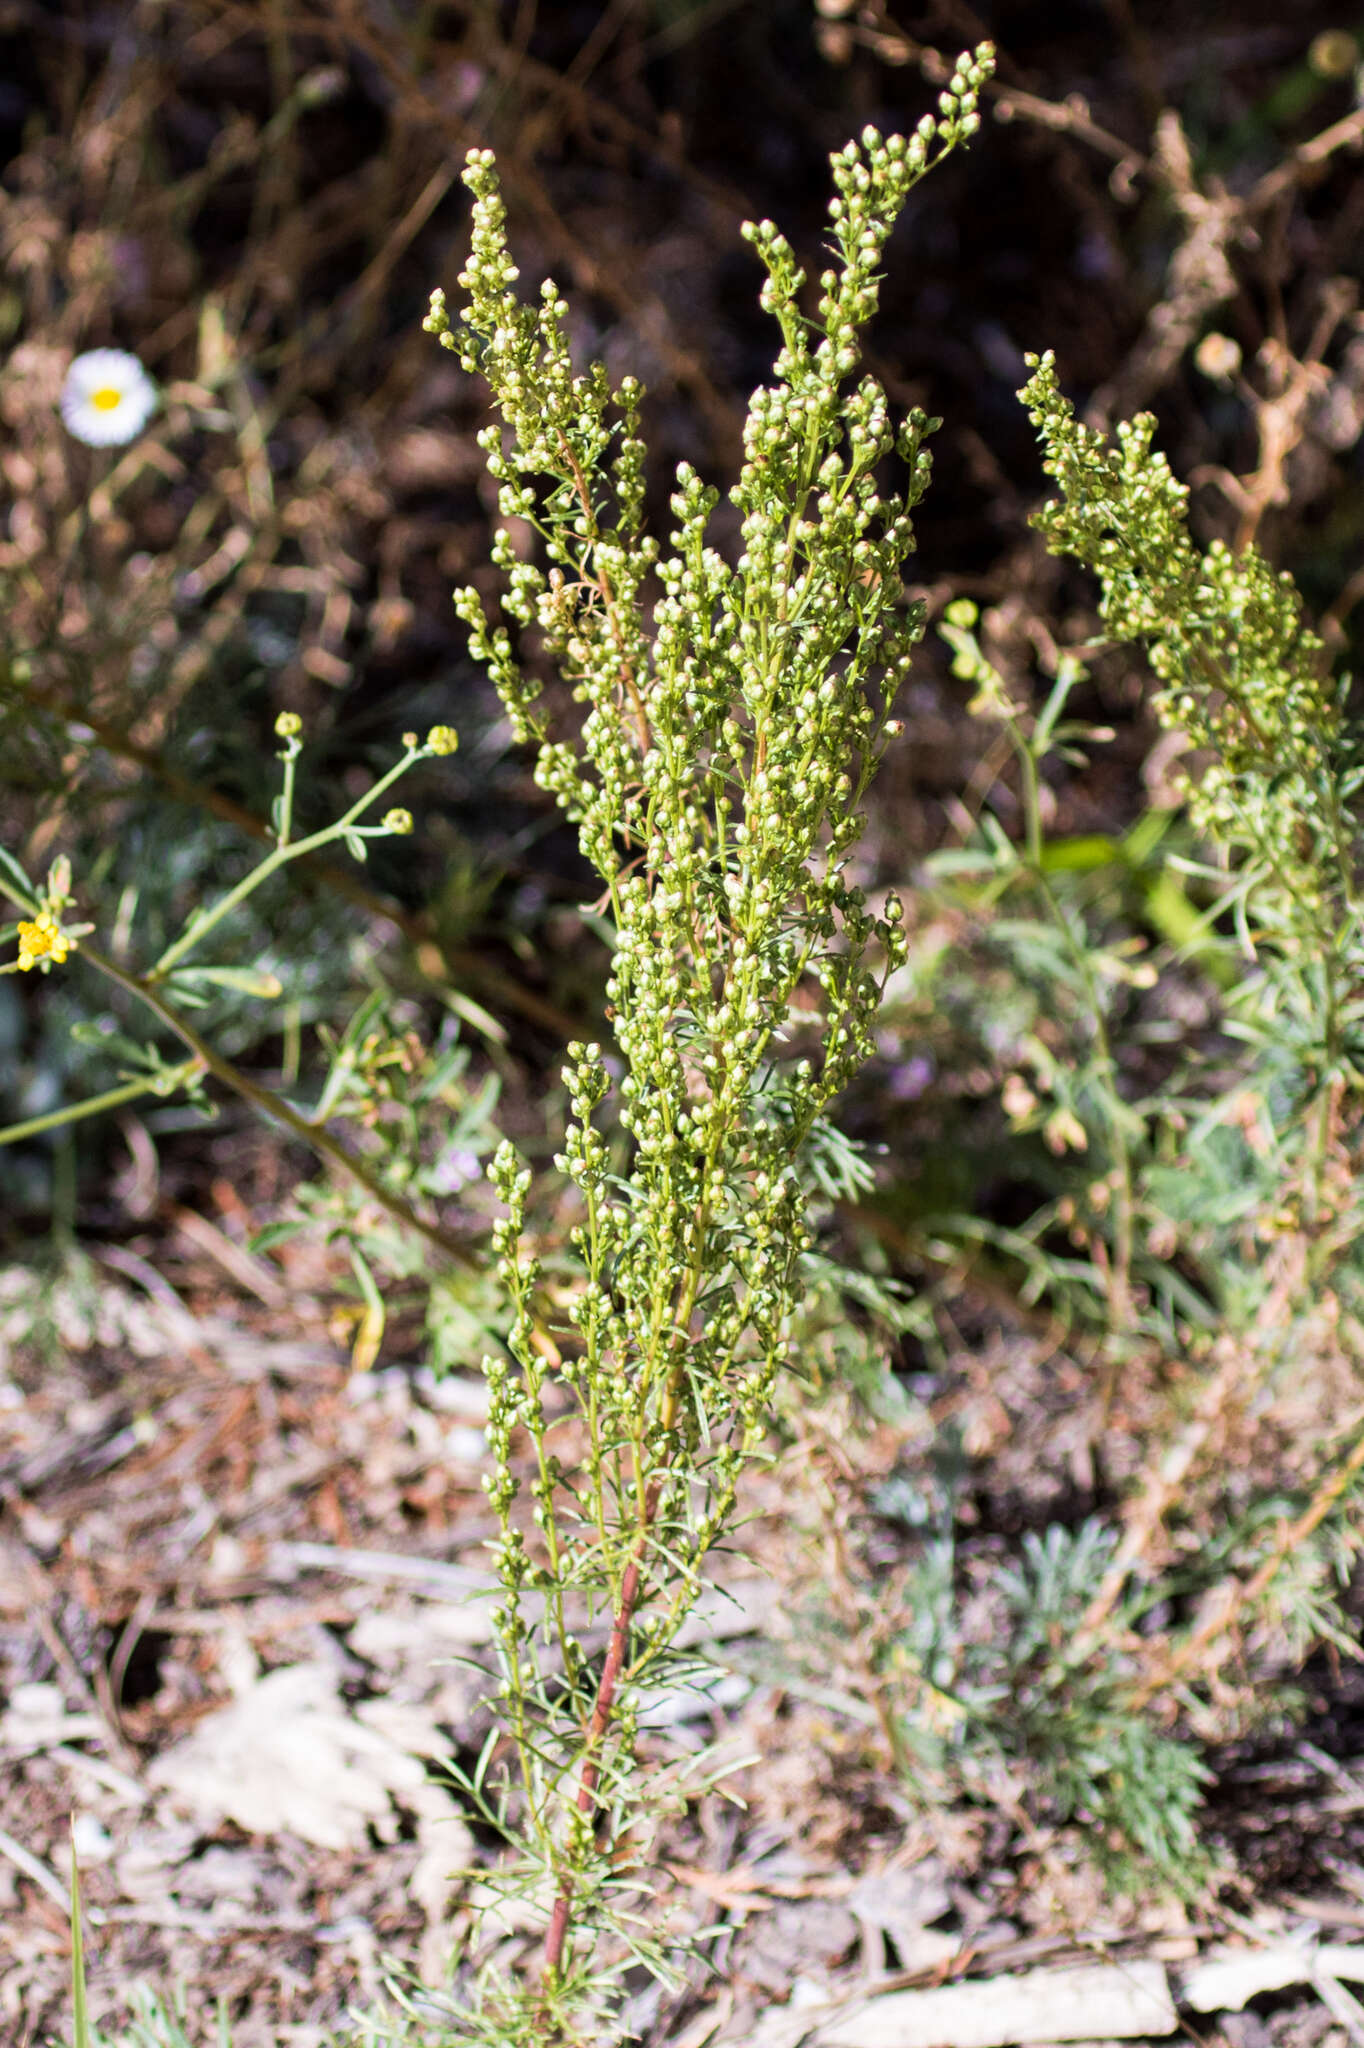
(1224,1979)
(1119,2002)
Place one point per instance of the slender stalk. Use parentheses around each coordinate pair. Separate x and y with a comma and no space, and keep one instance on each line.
(557,1932)
(200,927)
(416,925)
(1119,1277)
(112,1098)
(1243,1592)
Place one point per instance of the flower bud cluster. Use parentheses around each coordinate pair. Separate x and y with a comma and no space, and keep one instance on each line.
(1243,678)
(733,713)
(509,1392)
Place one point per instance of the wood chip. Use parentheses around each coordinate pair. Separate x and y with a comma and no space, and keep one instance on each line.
(1116,2002)
(1227,1978)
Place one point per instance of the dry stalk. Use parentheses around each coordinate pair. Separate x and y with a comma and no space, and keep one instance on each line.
(842,1580)
(1244,1592)
(1242,1368)
(424,110)
(876,32)
(1347,133)
(1199,278)
(1163,1482)
(1281,414)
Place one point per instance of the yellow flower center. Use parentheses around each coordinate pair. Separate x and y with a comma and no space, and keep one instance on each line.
(42,939)
(107,399)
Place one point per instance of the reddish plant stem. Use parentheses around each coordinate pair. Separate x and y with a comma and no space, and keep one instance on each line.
(557,1932)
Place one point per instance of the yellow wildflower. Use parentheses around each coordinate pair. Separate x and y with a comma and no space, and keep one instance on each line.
(42,939)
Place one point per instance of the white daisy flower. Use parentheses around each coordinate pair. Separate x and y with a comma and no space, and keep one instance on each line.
(107,398)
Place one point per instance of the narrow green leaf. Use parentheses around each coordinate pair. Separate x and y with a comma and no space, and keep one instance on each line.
(80,2018)
(276,1233)
(250,981)
(1080,855)
(12,874)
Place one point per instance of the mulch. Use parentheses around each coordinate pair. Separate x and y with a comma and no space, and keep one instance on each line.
(243,1600)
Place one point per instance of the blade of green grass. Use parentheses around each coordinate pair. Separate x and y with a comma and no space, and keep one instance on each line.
(80,2018)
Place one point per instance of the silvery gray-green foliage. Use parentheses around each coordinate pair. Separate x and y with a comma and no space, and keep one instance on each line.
(734,716)
(1040,1707)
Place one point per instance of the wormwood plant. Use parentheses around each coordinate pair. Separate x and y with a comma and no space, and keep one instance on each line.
(1253,1190)
(1267,904)
(1273,792)
(1217,1205)
(1246,682)
(733,716)
(732,725)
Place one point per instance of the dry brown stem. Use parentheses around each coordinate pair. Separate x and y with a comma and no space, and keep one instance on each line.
(1281,413)
(1241,1593)
(1162,1485)
(348,25)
